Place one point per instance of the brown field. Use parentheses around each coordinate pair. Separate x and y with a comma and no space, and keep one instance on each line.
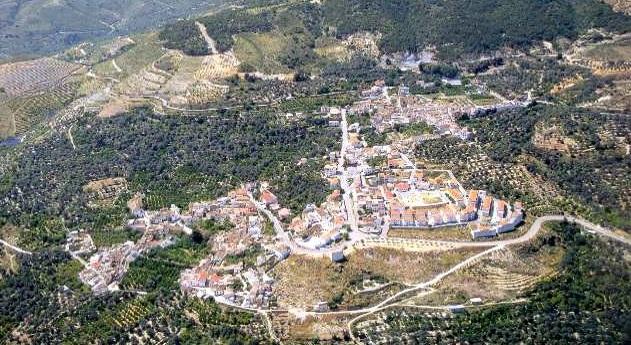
(288,327)
(303,281)
(505,274)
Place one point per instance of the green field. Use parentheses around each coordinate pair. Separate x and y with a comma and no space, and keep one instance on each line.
(261,51)
(18,115)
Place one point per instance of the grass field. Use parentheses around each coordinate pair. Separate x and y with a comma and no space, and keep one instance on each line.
(261,51)
(146,50)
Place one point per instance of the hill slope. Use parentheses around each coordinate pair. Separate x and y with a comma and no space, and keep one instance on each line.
(42,26)
(410,25)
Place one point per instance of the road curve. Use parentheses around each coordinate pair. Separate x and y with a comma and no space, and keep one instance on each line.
(534,230)
(536,227)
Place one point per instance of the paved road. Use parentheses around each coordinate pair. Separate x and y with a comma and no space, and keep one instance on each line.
(530,234)
(536,227)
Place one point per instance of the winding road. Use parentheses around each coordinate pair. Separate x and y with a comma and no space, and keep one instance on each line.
(494,246)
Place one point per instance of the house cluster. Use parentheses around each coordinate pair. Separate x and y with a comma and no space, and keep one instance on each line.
(106,268)
(270,201)
(239,210)
(399,196)
(499,215)
(317,227)
(239,284)
(249,287)
(403,108)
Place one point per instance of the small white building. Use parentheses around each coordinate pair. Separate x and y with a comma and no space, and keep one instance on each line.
(458,308)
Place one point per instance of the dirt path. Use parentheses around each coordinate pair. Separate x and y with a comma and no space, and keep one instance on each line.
(74,147)
(118,69)
(270,328)
(17,249)
(212,46)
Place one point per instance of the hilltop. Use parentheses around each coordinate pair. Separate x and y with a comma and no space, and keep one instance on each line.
(454,28)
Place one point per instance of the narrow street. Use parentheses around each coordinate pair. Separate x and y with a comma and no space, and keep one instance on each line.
(284,236)
(344,185)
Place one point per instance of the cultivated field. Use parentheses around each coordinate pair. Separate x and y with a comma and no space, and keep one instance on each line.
(21,78)
(19,114)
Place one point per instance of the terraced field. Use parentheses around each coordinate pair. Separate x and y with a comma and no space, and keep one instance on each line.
(19,114)
(21,78)
(218,66)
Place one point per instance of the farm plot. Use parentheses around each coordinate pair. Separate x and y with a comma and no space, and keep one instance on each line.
(218,66)
(326,328)
(135,59)
(21,78)
(203,92)
(130,313)
(24,112)
(332,49)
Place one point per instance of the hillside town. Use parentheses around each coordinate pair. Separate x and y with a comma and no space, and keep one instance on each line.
(106,268)
(366,200)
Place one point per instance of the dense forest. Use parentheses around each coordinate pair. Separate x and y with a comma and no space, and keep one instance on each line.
(472,26)
(184,35)
(586,303)
(410,25)
(173,160)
